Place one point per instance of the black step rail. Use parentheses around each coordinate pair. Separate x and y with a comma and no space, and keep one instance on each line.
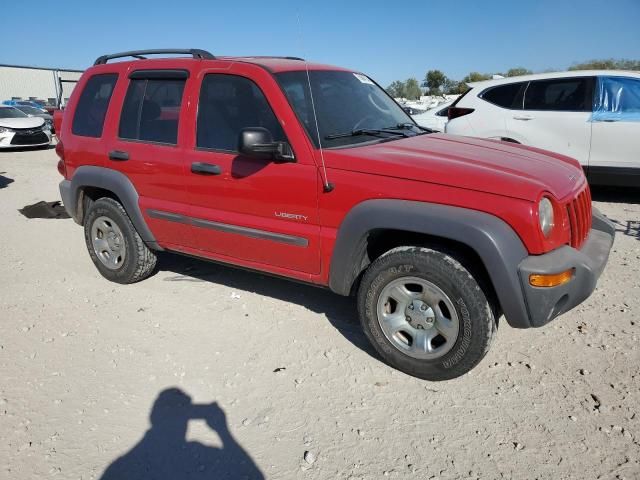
(140,54)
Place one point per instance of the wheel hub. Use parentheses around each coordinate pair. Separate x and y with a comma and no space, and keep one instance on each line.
(108,242)
(420,315)
(417,317)
(114,240)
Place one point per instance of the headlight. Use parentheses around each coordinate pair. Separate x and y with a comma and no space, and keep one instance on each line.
(5,130)
(545,214)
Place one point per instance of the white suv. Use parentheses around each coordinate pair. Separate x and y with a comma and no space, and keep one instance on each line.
(592,116)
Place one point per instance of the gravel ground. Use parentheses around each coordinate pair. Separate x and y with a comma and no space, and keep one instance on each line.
(246,373)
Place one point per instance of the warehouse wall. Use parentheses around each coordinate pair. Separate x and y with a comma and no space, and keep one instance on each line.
(33,82)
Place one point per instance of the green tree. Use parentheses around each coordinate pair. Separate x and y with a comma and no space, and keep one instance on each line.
(450,86)
(434,79)
(516,72)
(397,89)
(476,77)
(607,64)
(412,89)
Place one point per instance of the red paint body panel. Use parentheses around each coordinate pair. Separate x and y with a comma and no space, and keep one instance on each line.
(501,179)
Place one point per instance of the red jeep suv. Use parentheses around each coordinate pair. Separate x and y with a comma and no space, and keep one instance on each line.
(314,173)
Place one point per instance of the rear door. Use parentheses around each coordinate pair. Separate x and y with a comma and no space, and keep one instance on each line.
(555,116)
(615,131)
(148,148)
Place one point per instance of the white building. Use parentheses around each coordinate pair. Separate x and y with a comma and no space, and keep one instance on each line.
(36,83)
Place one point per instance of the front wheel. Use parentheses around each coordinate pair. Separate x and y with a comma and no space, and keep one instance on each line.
(425,314)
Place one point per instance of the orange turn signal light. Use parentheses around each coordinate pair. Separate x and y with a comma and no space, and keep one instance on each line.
(551,280)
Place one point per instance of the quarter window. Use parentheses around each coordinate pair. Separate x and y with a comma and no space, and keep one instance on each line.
(88,120)
(561,95)
(151,110)
(228,104)
(506,96)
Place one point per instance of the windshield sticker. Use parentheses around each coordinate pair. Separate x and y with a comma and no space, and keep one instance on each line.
(363,78)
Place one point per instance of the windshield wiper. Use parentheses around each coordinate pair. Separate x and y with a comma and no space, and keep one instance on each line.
(367,131)
(409,126)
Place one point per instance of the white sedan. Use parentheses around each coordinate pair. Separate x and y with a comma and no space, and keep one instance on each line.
(592,116)
(435,118)
(19,130)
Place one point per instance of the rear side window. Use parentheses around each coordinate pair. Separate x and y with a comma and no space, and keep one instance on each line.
(228,104)
(151,110)
(560,95)
(506,96)
(88,120)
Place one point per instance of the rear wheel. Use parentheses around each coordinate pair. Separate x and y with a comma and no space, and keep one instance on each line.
(425,314)
(114,245)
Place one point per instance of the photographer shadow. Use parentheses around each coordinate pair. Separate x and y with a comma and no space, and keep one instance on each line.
(164,452)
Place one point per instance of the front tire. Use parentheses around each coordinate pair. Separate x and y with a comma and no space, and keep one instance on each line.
(114,245)
(425,314)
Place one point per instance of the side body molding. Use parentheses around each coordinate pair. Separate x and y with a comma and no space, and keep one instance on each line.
(114,181)
(491,238)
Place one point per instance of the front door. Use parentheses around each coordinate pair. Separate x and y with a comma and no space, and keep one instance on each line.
(615,132)
(255,210)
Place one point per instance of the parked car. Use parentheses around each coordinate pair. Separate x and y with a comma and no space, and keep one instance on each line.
(592,116)
(436,236)
(36,112)
(435,118)
(19,130)
(30,103)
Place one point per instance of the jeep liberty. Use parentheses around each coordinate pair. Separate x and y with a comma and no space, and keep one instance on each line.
(315,173)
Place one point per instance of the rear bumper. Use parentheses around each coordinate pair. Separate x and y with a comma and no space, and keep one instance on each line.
(67,199)
(545,304)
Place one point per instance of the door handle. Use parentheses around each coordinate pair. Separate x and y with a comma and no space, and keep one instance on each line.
(118,155)
(205,168)
(522,117)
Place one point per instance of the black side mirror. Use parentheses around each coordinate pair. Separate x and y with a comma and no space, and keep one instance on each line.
(258,142)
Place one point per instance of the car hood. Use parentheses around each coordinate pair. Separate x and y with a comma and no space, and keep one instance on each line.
(22,122)
(483,165)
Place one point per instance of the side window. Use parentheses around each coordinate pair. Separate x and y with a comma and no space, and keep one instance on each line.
(88,119)
(619,95)
(561,95)
(151,110)
(506,96)
(228,104)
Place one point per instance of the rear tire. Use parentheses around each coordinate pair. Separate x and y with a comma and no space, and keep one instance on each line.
(425,314)
(114,245)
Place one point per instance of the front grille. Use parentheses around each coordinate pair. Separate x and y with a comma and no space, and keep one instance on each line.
(579,210)
(24,138)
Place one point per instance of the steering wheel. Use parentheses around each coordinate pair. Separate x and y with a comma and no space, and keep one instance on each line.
(361,121)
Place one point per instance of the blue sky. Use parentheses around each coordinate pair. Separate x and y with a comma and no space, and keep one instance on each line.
(388,40)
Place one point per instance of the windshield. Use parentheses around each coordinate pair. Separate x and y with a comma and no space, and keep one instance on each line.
(29,110)
(345,103)
(10,112)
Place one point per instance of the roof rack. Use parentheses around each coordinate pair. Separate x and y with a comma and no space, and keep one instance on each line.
(195,52)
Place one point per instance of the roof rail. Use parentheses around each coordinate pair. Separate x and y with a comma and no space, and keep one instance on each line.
(274,56)
(195,52)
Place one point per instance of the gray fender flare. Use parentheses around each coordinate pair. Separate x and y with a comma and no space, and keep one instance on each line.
(495,242)
(113,181)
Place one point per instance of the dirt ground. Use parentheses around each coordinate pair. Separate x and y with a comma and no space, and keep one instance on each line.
(245,373)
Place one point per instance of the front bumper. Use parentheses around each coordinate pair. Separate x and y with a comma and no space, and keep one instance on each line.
(15,139)
(546,303)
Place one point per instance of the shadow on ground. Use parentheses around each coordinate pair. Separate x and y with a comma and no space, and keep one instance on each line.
(627,226)
(615,194)
(340,311)
(164,452)
(4,181)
